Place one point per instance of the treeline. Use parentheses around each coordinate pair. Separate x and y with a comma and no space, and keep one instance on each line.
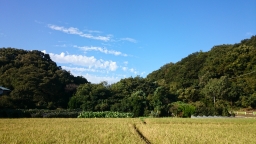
(203,83)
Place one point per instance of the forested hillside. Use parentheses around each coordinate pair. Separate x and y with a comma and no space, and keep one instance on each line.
(203,83)
(206,83)
(226,72)
(35,80)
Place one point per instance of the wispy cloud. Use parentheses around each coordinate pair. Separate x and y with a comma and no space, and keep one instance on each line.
(80,69)
(39,22)
(76,31)
(103,50)
(249,33)
(124,68)
(80,60)
(142,73)
(129,40)
(97,78)
(93,31)
(133,71)
(63,45)
(93,78)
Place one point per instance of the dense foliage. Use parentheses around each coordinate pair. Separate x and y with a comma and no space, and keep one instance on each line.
(104,114)
(35,80)
(224,77)
(203,83)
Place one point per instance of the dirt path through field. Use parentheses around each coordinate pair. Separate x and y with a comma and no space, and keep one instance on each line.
(141,135)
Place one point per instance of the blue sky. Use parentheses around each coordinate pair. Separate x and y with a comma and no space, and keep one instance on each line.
(111,40)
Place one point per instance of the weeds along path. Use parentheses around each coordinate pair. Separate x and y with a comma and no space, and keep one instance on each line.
(140,134)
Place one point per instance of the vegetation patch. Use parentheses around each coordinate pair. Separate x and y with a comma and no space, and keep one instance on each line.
(128,130)
(203,83)
(41,131)
(104,114)
(176,130)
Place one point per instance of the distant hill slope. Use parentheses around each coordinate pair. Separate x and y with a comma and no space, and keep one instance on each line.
(235,62)
(35,80)
(203,83)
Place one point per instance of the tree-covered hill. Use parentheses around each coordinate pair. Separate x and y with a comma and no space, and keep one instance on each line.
(226,72)
(35,80)
(203,83)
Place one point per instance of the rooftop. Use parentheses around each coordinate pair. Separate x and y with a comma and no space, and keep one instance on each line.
(3,88)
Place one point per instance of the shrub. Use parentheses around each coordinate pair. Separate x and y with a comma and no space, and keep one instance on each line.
(104,114)
(181,109)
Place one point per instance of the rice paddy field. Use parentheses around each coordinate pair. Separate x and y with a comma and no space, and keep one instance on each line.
(126,130)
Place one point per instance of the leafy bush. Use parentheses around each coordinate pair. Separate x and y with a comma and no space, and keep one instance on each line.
(181,109)
(54,113)
(104,114)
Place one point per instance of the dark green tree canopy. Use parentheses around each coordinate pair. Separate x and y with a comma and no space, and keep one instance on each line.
(205,83)
(35,80)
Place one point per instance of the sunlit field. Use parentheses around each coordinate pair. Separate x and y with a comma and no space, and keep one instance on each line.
(71,131)
(121,130)
(229,130)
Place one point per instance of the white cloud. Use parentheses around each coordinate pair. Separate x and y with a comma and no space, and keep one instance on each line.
(63,45)
(103,50)
(80,69)
(81,60)
(76,31)
(133,71)
(98,79)
(129,40)
(143,73)
(93,31)
(124,68)
(126,62)
(94,70)
(44,51)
